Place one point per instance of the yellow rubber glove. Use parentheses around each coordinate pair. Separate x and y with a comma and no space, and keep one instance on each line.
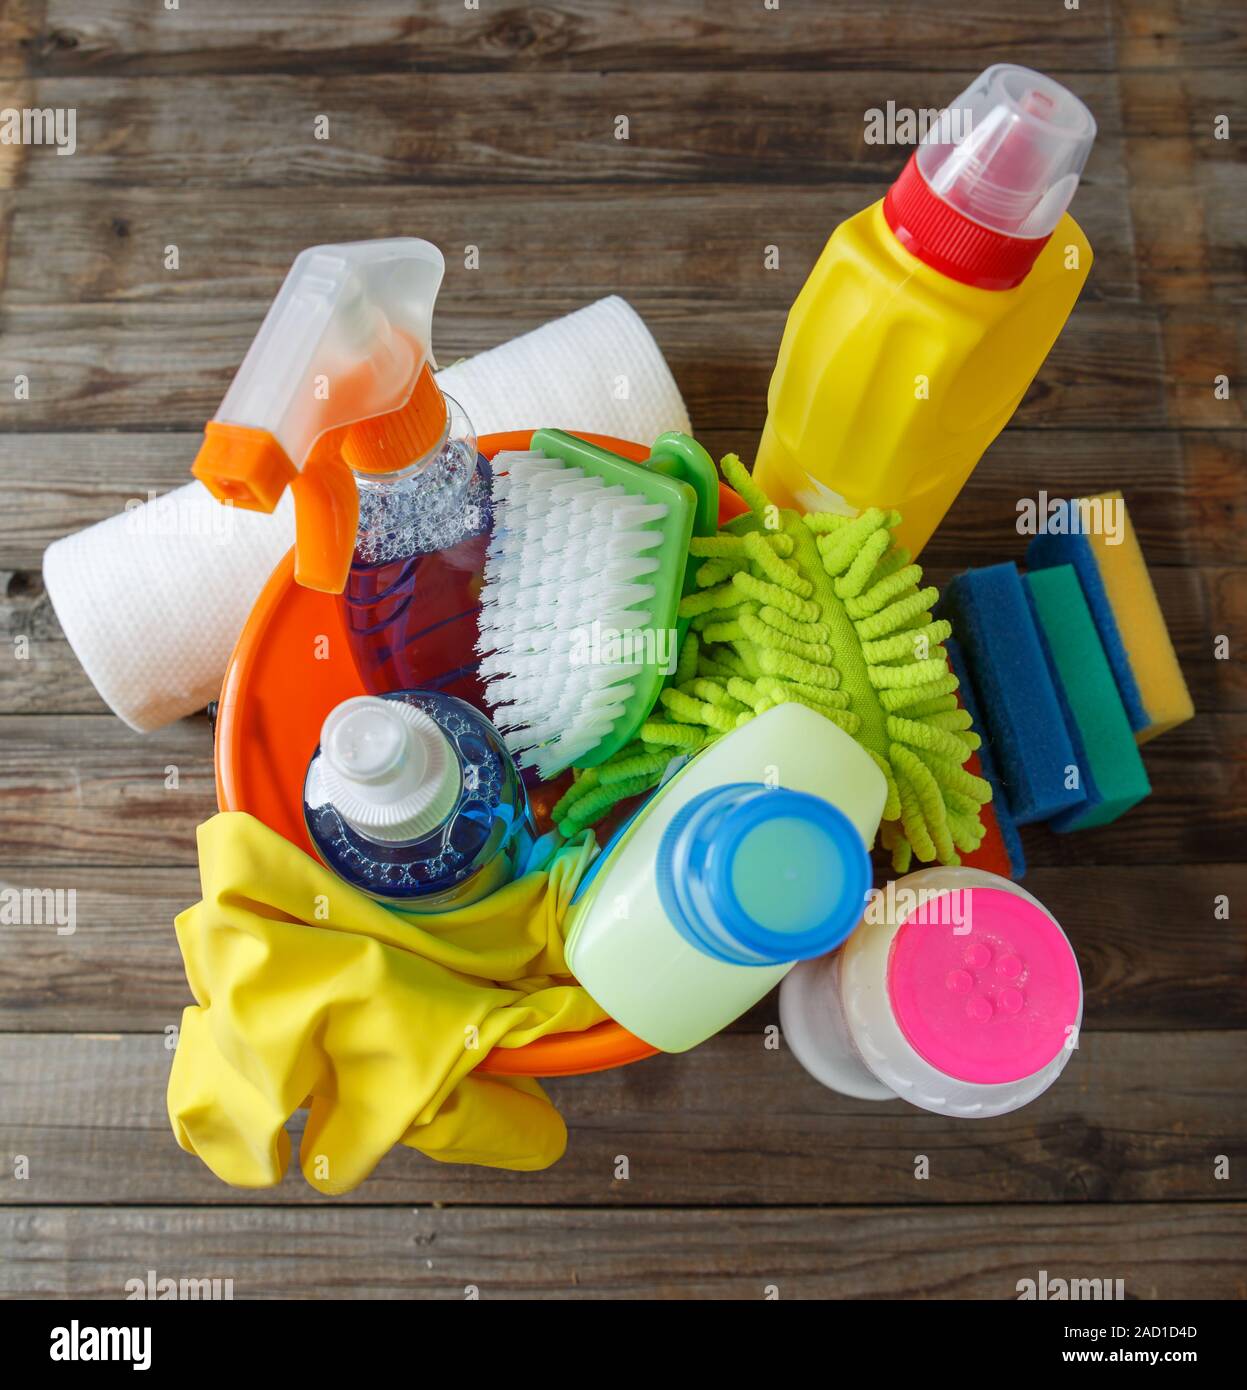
(310,993)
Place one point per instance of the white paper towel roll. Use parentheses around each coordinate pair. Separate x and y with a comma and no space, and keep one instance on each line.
(152,601)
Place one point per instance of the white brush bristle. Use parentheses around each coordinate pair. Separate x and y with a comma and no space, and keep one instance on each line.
(568,550)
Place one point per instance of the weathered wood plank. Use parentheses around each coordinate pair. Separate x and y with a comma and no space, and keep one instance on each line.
(1202,346)
(1152,957)
(1185,199)
(1159,1251)
(167,365)
(107,244)
(1186,491)
(126,37)
(88,790)
(1172,35)
(433,132)
(1134,1118)
(316,37)
(1179,198)
(433,129)
(1199,605)
(962,1253)
(85,791)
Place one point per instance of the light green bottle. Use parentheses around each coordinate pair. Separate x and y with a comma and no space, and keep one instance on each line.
(752,857)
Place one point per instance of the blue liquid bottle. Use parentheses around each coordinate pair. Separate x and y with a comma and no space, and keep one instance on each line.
(414,799)
(412,597)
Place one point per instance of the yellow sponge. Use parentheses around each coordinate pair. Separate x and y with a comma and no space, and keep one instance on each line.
(1099,541)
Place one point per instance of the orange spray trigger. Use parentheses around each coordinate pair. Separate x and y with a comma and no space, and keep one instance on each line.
(326,514)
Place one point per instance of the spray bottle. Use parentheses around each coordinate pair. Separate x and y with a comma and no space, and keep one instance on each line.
(336,400)
(928,314)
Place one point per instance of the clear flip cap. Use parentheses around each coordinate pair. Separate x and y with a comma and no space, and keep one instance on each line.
(1009,151)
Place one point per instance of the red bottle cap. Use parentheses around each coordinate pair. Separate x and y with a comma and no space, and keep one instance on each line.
(952,243)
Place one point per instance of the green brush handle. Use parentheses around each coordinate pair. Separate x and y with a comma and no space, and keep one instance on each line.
(680,456)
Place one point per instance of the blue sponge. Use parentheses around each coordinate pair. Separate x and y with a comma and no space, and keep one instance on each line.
(1009,671)
(987,762)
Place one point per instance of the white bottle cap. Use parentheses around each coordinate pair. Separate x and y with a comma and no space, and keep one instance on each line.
(388,768)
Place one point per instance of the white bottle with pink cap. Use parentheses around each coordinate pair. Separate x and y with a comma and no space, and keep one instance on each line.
(959,993)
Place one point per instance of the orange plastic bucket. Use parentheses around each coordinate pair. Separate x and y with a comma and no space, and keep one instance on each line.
(291,666)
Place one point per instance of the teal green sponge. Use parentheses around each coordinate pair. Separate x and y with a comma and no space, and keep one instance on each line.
(1113,776)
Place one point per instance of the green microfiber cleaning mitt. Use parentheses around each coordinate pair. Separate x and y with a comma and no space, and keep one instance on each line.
(825,611)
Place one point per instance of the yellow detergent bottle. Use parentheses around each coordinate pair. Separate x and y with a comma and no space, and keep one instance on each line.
(928,314)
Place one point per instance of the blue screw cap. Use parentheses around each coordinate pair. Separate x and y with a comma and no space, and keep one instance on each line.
(754,875)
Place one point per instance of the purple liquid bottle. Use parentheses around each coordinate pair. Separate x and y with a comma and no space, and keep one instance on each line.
(413,594)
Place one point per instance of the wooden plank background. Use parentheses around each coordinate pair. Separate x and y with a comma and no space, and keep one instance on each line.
(494,127)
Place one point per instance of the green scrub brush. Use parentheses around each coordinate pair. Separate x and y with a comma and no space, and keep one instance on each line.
(826,611)
(586,566)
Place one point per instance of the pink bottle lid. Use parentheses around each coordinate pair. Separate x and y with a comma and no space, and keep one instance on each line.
(984,985)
